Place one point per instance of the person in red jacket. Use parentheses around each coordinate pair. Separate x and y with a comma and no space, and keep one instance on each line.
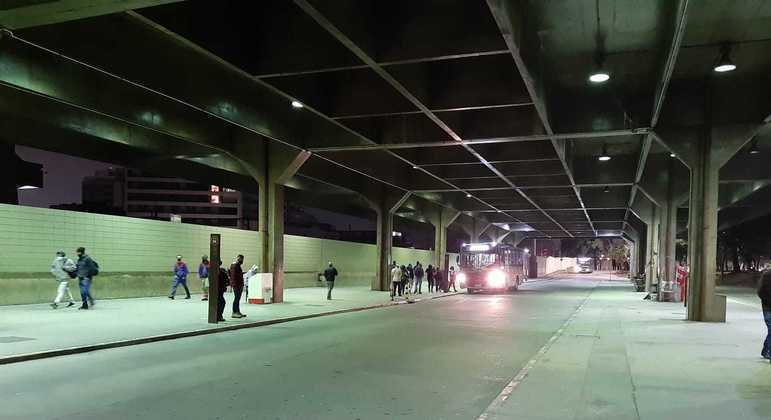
(237,283)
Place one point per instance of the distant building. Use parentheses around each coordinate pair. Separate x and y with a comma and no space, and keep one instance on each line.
(161,198)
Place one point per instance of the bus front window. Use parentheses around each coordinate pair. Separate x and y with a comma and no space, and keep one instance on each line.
(478,261)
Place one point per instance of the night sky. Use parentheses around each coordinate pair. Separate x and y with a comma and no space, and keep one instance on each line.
(62,179)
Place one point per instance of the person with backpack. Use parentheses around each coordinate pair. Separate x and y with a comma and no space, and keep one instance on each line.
(180,277)
(86,269)
(203,275)
(430,277)
(63,269)
(419,273)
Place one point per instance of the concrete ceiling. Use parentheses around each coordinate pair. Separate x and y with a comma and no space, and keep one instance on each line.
(445,99)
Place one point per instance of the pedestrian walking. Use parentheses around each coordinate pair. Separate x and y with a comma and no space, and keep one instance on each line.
(396,277)
(86,269)
(329,274)
(419,273)
(63,269)
(180,277)
(451,277)
(430,272)
(203,275)
(223,280)
(764,293)
(237,283)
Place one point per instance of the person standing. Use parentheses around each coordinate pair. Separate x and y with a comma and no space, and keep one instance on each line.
(329,274)
(63,268)
(419,273)
(86,268)
(451,277)
(764,293)
(203,275)
(439,281)
(237,283)
(410,277)
(430,277)
(396,278)
(223,280)
(180,277)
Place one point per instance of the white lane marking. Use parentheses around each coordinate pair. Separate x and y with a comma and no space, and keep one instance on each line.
(522,374)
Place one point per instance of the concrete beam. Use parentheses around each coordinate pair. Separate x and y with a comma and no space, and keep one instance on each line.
(29,13)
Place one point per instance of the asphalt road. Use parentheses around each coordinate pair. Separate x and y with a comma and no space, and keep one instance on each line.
(443,359)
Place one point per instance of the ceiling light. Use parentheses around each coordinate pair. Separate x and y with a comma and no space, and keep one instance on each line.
(725,64)
(754,148)
(606,189)
(468,195)
(672,155)
(414,166)
(600,74)
(297,104)
(500,211)
(604,157)
(28,187)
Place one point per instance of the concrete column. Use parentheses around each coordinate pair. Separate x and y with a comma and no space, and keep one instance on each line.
(652,254)
(703,304)
(441,220)
(385,205)
(668,234)
(278,166)
(8,159)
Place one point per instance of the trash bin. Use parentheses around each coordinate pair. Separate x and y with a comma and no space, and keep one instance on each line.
(261,285)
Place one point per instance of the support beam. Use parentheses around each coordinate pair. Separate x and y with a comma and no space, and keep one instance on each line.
(441,220)
(273,166)
(510,20)
(31,13)
(652,251)
(385,206)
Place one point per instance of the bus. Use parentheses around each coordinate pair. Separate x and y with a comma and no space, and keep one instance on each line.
(490,266)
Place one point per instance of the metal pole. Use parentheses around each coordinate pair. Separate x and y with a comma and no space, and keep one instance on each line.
(214,277)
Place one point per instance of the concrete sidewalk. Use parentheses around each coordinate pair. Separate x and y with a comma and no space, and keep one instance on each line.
(26,329)
(624,358)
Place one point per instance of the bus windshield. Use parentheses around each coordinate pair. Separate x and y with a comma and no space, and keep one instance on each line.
(478,260)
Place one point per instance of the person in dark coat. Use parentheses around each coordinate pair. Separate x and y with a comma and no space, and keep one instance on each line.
(439,281)
(764,293)
(237,283)
(419,273)
(86,269)
(430,277)
(329,274)
(223,285)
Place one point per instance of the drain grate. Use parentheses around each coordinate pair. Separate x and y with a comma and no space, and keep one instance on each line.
(14,339)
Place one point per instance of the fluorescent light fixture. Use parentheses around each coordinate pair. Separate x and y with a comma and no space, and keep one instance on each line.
(297,104)
(725,64)
(606,189)
(414,166)
(754,148)
(604,157)
(28,187)
(599,76)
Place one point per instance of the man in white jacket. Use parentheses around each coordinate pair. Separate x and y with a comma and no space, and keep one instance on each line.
(60,269)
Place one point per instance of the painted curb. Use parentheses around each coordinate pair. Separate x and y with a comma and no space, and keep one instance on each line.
(7,360)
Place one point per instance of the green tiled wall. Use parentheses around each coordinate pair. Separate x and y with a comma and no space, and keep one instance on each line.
(136,255)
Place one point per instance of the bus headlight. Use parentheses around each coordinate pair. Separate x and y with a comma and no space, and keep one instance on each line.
(461,279)
(496,279)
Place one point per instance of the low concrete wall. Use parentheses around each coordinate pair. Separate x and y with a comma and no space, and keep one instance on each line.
(549,265)
(136,255)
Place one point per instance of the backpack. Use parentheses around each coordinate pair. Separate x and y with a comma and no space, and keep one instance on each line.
(94,269)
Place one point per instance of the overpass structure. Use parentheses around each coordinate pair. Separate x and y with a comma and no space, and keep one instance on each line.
(478,113)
